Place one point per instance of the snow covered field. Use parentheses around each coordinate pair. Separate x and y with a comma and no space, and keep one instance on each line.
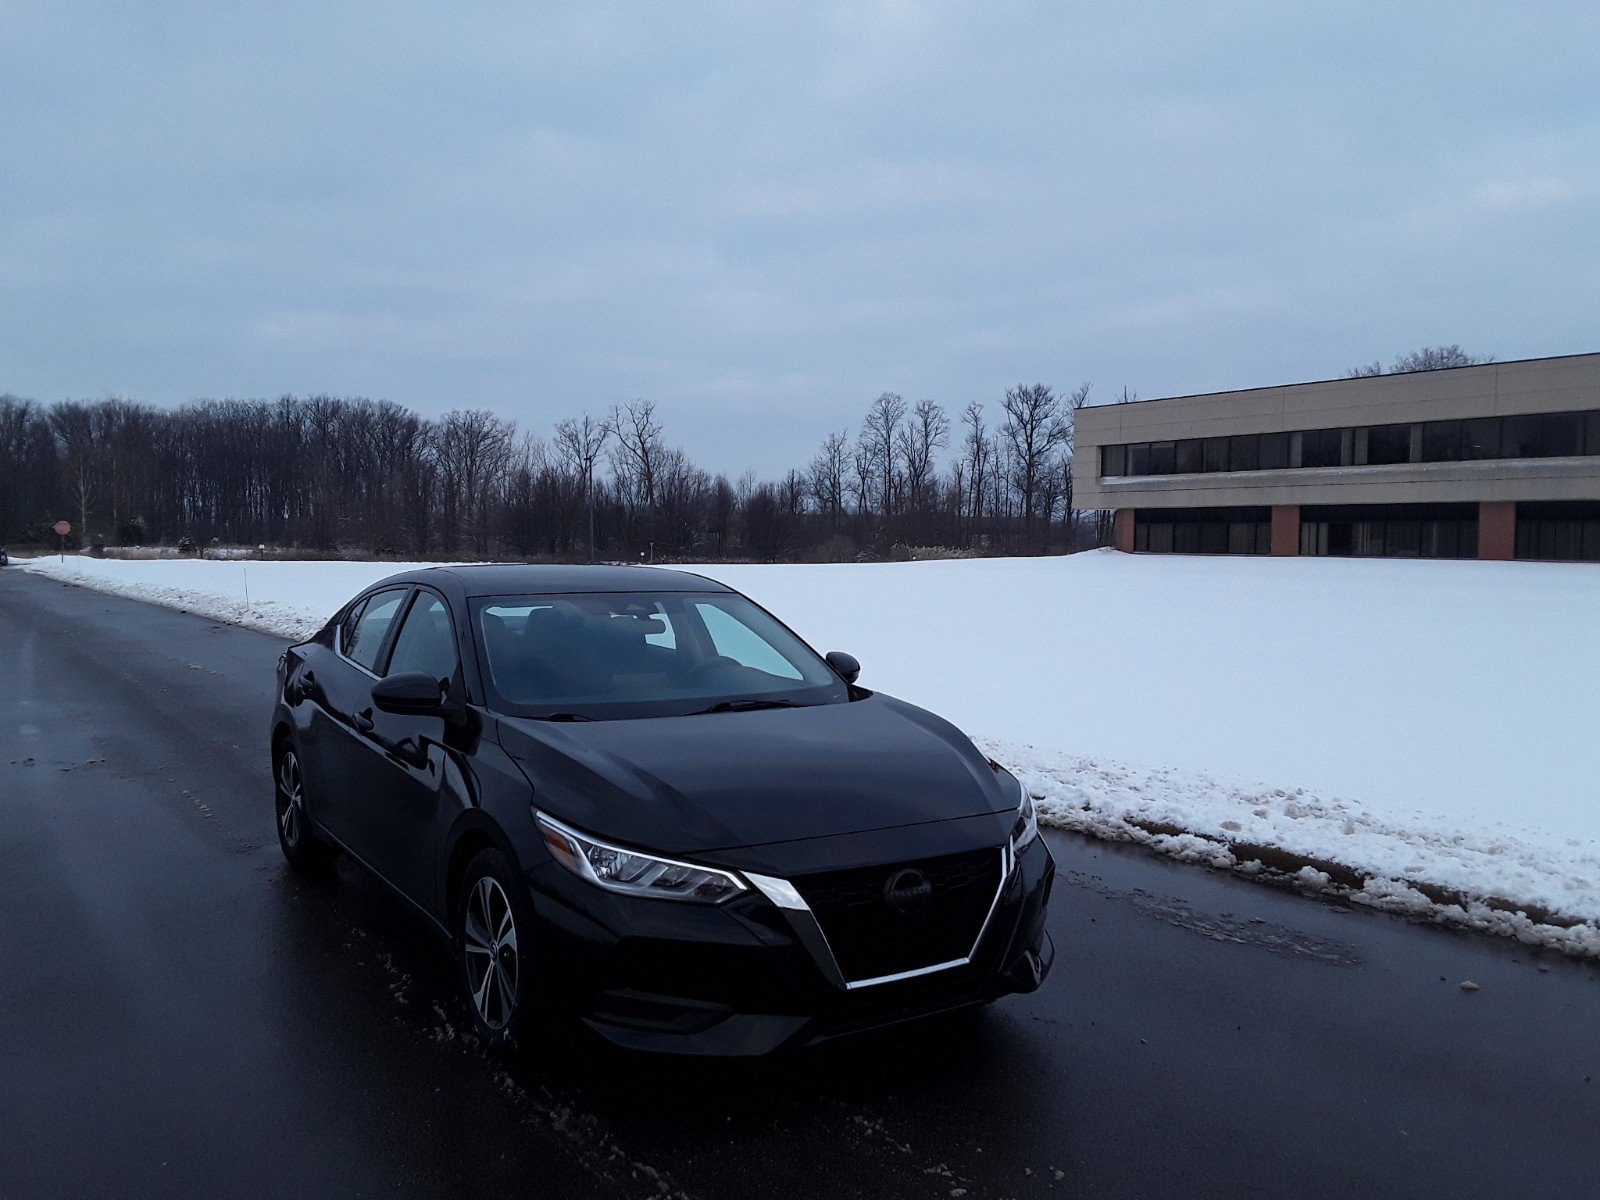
(1427,732)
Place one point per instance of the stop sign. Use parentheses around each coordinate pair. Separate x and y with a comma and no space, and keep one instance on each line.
(63,527)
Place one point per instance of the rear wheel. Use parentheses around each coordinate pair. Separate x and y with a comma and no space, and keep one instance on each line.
(494,940)
(301,846)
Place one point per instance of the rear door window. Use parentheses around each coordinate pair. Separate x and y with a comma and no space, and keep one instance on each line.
(363,639)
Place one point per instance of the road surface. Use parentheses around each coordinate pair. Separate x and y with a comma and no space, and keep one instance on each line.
(181,1016)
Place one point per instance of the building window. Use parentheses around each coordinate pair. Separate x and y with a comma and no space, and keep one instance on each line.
(1535,435)
(1521,437)
(1442,441)
(1461,441)
(1561,433)
(1244,452)
(1543,435)
(1390,530)
(1480,438)
(1203,530)
(1560,531)
(1320,448)
(1387,444)
(1245,537)
(1274,451)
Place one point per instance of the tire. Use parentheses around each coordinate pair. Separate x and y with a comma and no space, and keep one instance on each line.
(306,852)
(494,937)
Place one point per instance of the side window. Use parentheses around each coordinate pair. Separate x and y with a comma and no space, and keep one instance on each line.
(348,625)
(732,638)
(427,641)
(363,635)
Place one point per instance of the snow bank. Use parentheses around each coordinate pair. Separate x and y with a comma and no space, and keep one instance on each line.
(1426,729)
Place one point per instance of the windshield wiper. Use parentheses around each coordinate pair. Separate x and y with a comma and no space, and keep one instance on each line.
(747,706)
(564,716)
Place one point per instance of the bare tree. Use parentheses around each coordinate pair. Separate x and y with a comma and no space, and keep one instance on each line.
(330,471)
(793,490)
(473,451)
(639,449)
(879,433)
(977,459)
(863,477)
(580,442)
(828,473)
(924,434)
(29,469)
(75,431)
(1036,429)
(1428,358)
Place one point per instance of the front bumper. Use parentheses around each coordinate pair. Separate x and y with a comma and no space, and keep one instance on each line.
(736,980)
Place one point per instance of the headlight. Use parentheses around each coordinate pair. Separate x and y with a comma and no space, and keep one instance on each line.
(633,873)
(1026,829)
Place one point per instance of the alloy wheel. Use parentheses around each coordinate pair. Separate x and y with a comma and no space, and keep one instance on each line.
(489,939)
(291,802)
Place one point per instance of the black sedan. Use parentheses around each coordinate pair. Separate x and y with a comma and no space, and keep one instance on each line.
(634,797)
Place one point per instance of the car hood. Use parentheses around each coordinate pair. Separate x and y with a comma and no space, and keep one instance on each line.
(720,781)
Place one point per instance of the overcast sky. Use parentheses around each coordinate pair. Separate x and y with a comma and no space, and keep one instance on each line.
(763,214)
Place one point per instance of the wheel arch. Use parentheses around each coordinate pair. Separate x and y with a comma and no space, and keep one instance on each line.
(473,833)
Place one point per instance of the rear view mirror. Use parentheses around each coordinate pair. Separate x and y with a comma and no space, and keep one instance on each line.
(844,665)
(408,692)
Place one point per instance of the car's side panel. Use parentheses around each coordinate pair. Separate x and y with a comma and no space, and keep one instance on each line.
(415,780)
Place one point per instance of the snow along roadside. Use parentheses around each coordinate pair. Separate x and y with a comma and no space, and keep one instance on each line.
(1545,894)
(1491,881)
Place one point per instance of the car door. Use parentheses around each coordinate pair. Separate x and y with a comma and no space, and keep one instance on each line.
(413,782)
(337,749)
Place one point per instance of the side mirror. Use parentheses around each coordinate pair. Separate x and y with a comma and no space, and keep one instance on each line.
(844,665)
(408,692)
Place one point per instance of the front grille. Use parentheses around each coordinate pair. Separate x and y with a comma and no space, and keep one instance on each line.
(871,938)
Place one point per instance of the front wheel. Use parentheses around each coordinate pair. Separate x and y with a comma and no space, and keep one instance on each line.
(305,851)
(494,940)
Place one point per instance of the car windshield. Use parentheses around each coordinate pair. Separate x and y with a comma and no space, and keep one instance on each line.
(618,655)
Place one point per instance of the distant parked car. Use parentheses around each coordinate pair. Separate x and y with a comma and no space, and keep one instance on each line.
(5,559)
(633,796)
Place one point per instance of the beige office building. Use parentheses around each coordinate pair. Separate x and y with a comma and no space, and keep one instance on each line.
(1495,461)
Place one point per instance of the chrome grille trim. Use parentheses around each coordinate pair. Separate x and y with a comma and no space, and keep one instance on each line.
(787,897)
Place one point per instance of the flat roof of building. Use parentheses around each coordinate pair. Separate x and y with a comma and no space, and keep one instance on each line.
(1344,379)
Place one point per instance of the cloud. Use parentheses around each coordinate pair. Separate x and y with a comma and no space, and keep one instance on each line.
(767,214)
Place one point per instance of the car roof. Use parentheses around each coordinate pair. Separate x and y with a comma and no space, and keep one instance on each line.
(518,579)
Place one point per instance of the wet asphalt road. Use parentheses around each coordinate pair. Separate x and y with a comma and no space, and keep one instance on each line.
(181,1016)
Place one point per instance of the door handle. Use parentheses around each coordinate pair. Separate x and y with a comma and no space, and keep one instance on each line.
(363,721)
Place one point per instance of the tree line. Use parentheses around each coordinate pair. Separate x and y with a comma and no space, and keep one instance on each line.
(354,475)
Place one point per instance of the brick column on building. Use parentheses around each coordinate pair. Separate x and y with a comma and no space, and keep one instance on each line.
(1122,530)
(1285,529)
(1497,529)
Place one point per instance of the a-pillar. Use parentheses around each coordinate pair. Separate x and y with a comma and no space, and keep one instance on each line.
(1285,529)
(1122,531)
(1497,529)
